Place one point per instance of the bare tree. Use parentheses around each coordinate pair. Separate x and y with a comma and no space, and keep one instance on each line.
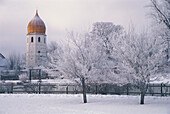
(103,35)
(52,46)
(161,13)
(87,56)
(54,53)
(15,62)
(104,32)
(139,58)
(79,59)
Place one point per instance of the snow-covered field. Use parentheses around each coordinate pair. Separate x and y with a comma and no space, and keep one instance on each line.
(72,104)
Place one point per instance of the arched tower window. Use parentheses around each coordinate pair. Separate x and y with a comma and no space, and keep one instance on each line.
(38,39)
(32,39)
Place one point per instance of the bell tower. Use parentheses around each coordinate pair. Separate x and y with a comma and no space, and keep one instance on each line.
(36,54)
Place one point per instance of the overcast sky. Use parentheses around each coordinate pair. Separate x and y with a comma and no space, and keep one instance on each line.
(62,15)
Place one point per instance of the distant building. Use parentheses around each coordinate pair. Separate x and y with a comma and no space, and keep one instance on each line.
(6,74)
(36,53)
(3,63)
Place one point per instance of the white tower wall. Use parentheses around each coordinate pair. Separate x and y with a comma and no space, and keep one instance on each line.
(36,54)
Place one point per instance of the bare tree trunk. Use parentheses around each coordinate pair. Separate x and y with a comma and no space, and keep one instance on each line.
(168,51)
(84,90)
(142,97)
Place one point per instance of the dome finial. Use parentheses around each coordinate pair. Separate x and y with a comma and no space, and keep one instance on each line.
(36,12)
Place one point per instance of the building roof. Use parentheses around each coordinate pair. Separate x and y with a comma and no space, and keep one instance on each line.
(36,25)
(3,61)
(1,56)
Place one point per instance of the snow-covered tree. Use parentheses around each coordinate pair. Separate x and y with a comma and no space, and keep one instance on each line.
(110,54)
(139,58)
(161,15)
(103,35)
(88,56)
(54,53)
(80,57)
(161,11)
(15,62)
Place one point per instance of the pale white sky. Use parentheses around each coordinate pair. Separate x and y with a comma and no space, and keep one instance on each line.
(62,15)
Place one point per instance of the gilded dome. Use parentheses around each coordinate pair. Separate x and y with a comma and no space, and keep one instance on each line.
(36,25)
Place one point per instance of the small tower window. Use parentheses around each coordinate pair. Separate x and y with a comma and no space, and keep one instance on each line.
(38,51)
(32,39)
(38,39)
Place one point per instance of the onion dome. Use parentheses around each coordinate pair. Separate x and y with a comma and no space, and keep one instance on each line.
(36,25)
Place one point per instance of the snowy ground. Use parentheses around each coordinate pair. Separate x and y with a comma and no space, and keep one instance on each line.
(72,104)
